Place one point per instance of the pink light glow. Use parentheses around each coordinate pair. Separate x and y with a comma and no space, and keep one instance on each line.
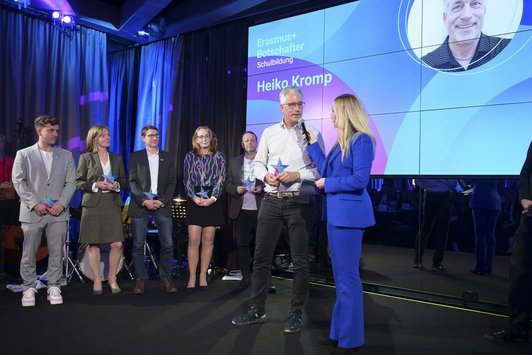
(95,96)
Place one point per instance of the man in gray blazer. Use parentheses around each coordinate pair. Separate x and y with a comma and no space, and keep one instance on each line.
(44,177)
(245,194)
(152,180)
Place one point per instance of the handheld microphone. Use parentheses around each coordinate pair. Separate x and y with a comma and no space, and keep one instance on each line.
(301,124)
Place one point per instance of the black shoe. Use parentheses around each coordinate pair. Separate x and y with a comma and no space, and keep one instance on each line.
(251,317)
(440,268)
(505,335)
(272,289)
(328,343)
(476,272)
(244,283)
(418,265)
(293,324)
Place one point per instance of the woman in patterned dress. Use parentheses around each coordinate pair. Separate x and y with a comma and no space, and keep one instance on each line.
(204,178)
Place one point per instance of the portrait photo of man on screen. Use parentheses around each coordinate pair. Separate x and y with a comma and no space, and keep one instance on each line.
(466,47)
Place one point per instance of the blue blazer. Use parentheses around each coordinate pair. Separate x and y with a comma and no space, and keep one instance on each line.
(347,201)
(485,196)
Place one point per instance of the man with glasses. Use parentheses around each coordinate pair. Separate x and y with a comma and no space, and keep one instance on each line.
(283,164)
(152,181)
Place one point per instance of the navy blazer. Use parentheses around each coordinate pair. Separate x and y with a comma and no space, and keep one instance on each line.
(140,181)
(347,201)
(234,179)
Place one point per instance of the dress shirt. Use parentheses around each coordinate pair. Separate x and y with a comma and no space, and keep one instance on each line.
(153,161)
(280,142)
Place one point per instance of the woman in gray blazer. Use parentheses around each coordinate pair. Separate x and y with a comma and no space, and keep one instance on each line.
(100,176)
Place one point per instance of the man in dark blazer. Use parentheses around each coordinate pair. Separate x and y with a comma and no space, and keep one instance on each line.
(520,293)
(245,192)
(152,180)
(44,177)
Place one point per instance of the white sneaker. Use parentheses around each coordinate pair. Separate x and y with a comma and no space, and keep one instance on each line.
(54,295)
(28,297)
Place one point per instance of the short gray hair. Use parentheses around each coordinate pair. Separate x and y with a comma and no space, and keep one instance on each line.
(446,4)
(289,90)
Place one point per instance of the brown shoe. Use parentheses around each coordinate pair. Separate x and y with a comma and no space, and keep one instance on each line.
(140,285)
(168,285)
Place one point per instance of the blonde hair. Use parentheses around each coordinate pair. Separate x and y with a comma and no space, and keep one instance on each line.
(95,132)
(351,120)
(214,142)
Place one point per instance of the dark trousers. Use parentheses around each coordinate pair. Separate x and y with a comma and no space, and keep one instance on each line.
(520,296)
(436,219)
(484,221)
(296,214)
(243,227)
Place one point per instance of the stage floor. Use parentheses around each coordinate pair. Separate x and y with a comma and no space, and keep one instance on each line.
(200,323)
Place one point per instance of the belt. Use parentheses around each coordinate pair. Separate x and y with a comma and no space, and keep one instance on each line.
(284,194)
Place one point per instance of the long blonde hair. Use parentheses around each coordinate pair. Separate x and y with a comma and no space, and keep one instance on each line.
(351,120)
(95,132)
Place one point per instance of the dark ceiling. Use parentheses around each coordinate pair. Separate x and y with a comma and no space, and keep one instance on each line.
(122,19)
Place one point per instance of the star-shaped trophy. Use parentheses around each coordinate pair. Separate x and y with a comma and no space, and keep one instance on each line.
(109,179)
(149,195)
(49,201)
(250,184)
(202,193)
(279,167)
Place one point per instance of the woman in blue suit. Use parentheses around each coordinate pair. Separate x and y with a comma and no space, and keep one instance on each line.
(345,174)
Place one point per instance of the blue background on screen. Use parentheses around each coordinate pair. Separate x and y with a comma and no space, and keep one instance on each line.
(426,122)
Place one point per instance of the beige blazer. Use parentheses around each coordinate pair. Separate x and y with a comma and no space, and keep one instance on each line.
(33,184)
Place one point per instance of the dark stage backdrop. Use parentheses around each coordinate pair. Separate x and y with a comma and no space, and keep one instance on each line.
(176,84)
(42,71)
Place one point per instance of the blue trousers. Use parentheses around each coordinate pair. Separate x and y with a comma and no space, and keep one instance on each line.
(139,227)
(347,325)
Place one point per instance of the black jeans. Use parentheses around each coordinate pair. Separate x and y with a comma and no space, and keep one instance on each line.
(296,214)
(436,218)
(243,227)
(520,296)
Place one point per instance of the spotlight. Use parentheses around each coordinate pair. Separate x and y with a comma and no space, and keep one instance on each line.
(143,33)
(65,23)
(23,4)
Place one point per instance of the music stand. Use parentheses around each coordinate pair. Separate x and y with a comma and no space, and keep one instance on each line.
(179,215)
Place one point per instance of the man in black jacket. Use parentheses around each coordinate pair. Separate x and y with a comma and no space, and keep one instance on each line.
(520,294)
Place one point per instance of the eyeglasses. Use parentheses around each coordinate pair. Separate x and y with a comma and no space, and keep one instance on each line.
(150,136)
(293,105)
(203,137)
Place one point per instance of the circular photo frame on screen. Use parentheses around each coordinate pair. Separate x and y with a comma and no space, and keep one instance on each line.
(460,35)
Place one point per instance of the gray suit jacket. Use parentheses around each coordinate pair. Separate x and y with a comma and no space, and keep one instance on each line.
(33,184)
(90,171)
(234,179)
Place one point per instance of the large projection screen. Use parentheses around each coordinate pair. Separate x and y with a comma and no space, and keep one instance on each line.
(428,119)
